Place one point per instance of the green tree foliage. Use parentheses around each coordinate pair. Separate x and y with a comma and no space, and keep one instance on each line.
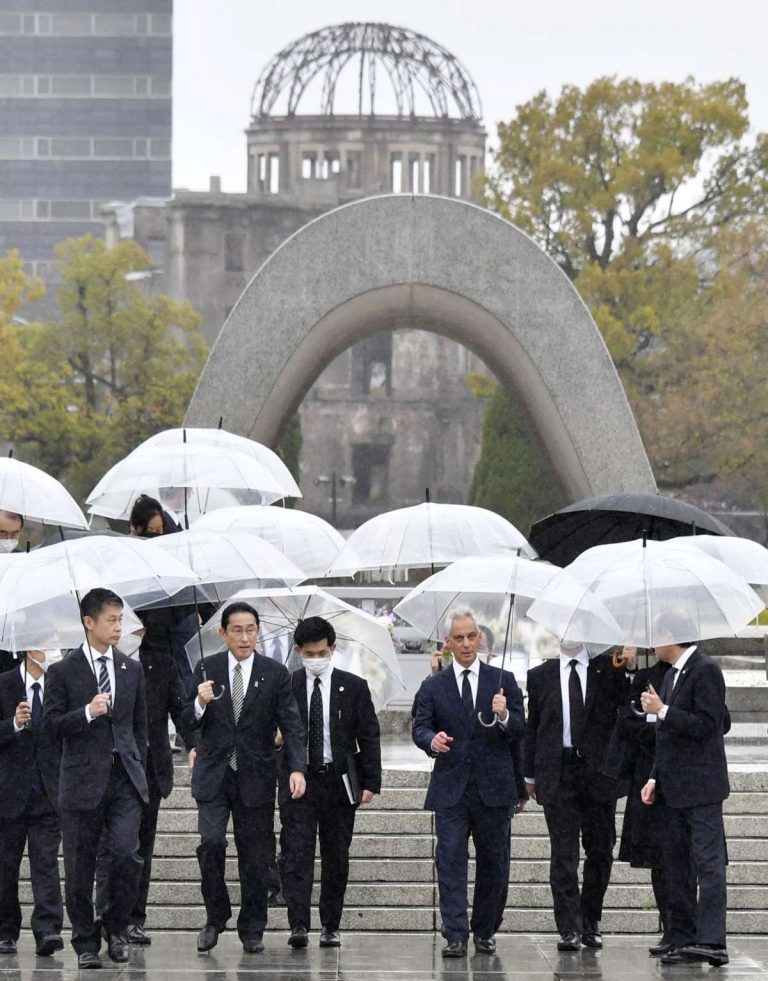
(640,192)
(513,476)
(289,450)
(118,365)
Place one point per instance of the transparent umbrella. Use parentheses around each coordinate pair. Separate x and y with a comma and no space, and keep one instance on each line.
(306,539)
(363,644)
(642,594)
(747,558)
(428,535)
(37,496)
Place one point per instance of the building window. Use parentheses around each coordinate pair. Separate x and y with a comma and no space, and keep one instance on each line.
(331,164)
(354,168)
(396,173)
(370,468)
(414,168)
(274,173)
(376,354)
(460,177)
(309,165)
(234,251)
(427,172)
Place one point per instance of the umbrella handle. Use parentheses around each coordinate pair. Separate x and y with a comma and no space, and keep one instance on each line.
(487,725)
(221,693)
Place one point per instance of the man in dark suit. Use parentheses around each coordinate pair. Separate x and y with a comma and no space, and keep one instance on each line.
(29,789)
(237,711)
(10,529)
(690,774)
(96,708)
(472,789)
(573,701)
(343,756)
(166,699)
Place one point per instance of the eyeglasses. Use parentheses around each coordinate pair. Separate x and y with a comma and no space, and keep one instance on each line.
(243,631)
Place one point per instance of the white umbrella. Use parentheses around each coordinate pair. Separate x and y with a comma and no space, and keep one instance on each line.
(428,535)
(202,471)
(745,557)
(37,496)
(306,539)
(363,644)
(226,562)
(486,585)
(40,590)
(644,594)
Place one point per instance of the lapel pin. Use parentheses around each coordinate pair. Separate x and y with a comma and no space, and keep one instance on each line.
(124,668)
(341,687)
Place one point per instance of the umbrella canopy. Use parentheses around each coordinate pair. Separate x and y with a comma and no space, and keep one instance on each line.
(39,590)
(36,496)
(486,585)
(306,539)
(363,644)
(203,471)
(226,562)
(742,555)
(564,535)
(644,595)
(427,535)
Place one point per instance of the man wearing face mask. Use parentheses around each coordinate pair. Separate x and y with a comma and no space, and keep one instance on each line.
(343,770)
(10,529)
(29,778)
(573,701)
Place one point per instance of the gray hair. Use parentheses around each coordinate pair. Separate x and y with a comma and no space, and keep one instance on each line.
(458,613)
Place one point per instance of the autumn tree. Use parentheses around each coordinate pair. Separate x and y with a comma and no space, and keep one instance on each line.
(118,365)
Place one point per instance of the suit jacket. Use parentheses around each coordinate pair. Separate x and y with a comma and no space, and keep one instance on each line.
(485,752)
(607,689)
(690,766)
(354,728)
(22,752)
(87,747)
(268,703)
(165,696)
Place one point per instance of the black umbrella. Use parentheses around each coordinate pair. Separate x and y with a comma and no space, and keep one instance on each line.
(70,534)
(564,535)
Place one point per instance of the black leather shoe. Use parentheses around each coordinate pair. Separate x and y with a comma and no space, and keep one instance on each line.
(485,945)
(674,957)
(118,948)
(330,938)
(254,944)
(7,946)
(49,945)
(207,938)
(715,956)
(138,935)
(569,941)
(298,937)
(455,948)
(661,948)
(591,936)
(89,960)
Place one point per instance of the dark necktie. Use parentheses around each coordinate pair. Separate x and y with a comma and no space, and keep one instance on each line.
(238,697)
(37,715)
(104,686)
(316,728)
(667,685)
(576,705)
(466,695)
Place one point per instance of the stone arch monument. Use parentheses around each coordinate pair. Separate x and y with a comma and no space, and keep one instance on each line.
(437,264)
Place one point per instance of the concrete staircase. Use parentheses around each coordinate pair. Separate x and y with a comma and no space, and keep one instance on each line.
(392,885)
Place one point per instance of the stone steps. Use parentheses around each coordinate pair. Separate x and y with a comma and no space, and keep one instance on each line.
(392,876)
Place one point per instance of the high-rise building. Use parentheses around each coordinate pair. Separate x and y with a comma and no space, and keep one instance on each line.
(85,116)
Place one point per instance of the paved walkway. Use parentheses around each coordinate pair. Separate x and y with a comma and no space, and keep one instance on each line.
(378,957)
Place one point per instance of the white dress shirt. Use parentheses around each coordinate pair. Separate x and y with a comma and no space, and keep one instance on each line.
(27,678)
(246,666)
(95,666)
(582,663)
(474,676)
(325,691)
(681,663)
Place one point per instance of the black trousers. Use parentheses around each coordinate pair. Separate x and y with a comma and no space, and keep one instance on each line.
(39,828)
(119,812)
(147,835)
(694,862)
(573,814)
(325,812)
(253,830)
(489,828)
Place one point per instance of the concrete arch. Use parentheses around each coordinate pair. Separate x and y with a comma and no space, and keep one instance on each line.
(436,264)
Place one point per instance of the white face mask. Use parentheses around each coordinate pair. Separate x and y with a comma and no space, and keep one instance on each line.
(129,644)
(316,665)
(51,657)
(8,545)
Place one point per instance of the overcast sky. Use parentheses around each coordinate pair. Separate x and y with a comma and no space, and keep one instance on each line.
(512,50)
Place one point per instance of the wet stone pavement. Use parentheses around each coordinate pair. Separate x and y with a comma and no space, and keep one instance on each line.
(375,957)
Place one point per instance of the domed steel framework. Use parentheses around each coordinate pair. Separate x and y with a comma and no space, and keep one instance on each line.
(413,63)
